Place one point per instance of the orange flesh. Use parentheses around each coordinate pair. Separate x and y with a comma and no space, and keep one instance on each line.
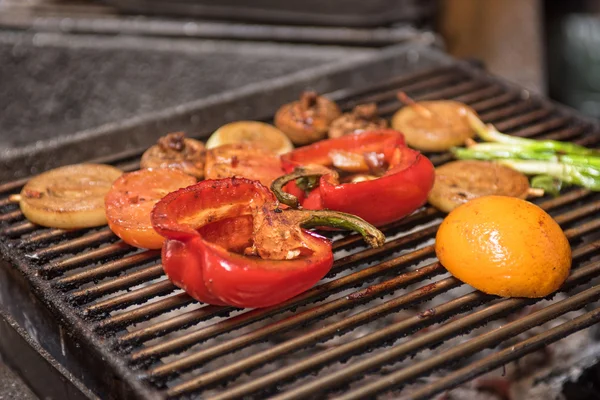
(130,201)
(504,246)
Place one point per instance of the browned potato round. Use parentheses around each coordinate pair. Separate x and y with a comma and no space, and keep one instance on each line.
(307,120)
(460,181)
(176,151)
(434,125)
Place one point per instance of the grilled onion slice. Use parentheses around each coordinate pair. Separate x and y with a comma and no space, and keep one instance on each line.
(460,181)
(68,197)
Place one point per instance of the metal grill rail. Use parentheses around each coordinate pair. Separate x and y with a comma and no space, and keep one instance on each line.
(103,282)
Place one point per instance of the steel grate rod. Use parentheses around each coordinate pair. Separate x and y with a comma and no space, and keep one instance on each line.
(145,312)
(111,250)
(322,334)
(337,305)
(136,296)
(74,244)
(396,353)
(104,270)
(183,342)
(331,307)
(502,357)
(484,341)
(122,282)
(355,278)
(399,80)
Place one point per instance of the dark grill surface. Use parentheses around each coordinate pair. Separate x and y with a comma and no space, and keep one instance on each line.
(348,335)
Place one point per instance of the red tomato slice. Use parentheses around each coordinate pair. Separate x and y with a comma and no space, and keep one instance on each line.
(245,160)
(130,201)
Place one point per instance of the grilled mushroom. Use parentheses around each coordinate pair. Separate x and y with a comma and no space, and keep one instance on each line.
(176,151)
(433,125)
(307,120)
(363,118)
(460,181)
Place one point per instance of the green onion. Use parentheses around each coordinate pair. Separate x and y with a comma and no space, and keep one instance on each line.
(490,134)
(548,184)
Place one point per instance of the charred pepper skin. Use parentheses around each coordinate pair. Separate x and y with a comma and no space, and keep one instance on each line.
(208,224)
(402,189)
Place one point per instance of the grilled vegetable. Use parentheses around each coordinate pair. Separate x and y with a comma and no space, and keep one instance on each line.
(131,199)
(399,191)
(243,160)
(563,161)
(228,242)
(307,120)
(363,118)
(176,151)
(434,125)
(69,197)
(461,181)
(490,134)
(251,133)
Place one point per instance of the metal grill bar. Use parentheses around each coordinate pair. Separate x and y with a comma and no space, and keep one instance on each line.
(331,307)
(13,186)
(512,123)
(345,350)
(495,101)
(342,263)
(396,353)
(347,94)
(449,92)
(94,252)
(482,342)
(507,110)
(18,230)
(552,123)
(110,250)
(433,82)
(132,297)
(71,245)
(481,94)
(502,357)
(334,306)
(45,236)
(147,312)
(4,202)
(181,321)
(562,134)
(105,270)
(11,216)
(182,342)
(132,278)
(417,218)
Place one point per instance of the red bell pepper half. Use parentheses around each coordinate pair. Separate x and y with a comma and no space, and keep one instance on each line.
(397,192)
(229,243)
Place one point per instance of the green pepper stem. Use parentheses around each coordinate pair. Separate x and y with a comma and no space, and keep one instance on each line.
(278,184)
(333,219)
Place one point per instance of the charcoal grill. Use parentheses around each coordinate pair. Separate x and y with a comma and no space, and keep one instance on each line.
(110,317)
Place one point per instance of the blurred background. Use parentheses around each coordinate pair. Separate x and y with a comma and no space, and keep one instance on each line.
(550,47)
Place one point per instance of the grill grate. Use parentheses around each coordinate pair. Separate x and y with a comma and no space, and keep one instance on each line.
(147,330)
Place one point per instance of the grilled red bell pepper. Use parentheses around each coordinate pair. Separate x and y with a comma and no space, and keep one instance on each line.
(398,192)
(229,243)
